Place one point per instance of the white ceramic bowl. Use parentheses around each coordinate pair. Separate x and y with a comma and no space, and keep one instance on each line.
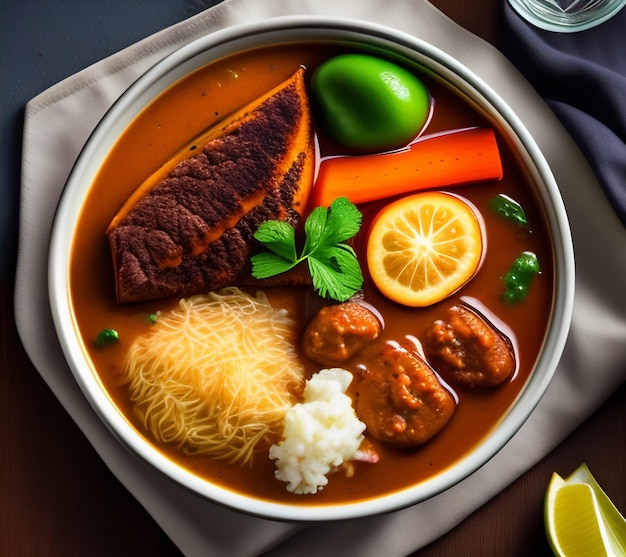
(281,30)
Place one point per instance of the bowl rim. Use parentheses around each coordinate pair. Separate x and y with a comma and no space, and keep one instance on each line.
(229,40)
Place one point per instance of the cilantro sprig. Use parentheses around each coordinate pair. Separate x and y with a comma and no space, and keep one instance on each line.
(333,265)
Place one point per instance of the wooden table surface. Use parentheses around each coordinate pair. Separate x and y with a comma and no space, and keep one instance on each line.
(57,498)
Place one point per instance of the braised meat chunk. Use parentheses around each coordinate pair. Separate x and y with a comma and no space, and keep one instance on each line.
(400,399)
(468,349)
(335,333)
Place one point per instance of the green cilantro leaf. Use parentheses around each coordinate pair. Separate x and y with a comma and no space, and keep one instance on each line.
(335,272)
(267,264)
(279,237)
(314,229)
(342,223)
(519,278)
(508,208)
(334,267)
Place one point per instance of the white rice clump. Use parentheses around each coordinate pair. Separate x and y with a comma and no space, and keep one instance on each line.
(320,433)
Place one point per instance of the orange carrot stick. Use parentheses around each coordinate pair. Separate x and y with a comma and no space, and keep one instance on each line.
(454,158)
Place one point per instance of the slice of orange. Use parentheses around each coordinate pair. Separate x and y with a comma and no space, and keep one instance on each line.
(424,247)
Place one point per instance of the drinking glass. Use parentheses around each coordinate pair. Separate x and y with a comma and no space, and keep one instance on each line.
(566,15)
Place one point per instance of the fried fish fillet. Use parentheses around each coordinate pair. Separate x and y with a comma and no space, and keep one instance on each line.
(188,228)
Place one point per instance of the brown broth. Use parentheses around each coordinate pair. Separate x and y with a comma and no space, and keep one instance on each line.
(184,111)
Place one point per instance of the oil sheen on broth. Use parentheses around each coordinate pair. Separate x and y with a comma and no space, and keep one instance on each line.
(205,97)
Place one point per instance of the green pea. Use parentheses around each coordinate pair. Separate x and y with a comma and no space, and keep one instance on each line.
(106,337)
(368,103)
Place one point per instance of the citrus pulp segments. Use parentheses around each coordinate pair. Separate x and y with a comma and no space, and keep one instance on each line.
(424,247)
(581,520)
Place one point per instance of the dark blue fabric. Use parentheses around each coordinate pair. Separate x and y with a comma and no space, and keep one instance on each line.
(582,76)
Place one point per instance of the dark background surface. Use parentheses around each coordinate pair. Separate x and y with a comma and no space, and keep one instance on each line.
(57,498)
(41,43)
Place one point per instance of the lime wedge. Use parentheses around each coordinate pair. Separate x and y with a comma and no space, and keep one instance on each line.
(581,520)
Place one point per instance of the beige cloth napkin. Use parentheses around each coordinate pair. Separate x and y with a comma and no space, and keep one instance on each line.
(594,364)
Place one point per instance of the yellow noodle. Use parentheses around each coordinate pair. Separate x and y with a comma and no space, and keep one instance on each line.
(216,375)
